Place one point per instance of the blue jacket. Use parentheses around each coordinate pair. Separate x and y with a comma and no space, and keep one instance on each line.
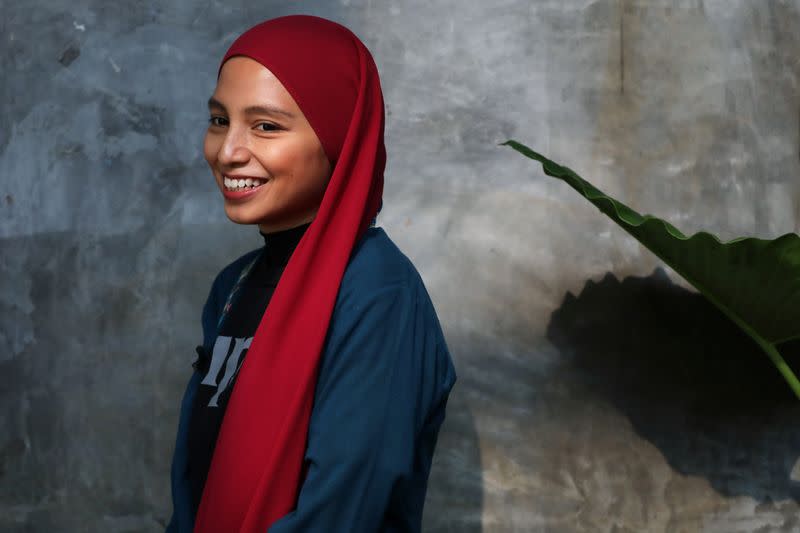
(384,379)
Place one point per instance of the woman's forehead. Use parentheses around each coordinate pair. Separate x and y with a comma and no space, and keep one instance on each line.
(248,86)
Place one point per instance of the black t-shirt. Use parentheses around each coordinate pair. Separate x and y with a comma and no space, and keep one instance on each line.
(220,367)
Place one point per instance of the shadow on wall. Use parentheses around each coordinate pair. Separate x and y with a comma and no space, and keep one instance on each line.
(454,500)
(689,380)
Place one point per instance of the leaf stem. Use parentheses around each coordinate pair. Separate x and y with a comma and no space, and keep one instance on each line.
(779,362)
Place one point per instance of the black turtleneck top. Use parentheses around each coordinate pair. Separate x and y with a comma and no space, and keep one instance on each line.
(220,367)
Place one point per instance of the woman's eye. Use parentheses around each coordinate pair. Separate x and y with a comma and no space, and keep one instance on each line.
(268,126)
(213,119)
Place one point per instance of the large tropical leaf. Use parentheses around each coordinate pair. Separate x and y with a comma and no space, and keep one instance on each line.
(755,282)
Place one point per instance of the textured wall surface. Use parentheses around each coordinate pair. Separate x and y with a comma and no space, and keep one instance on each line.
(597,391)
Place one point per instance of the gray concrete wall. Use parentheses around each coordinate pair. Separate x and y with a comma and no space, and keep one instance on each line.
(597,391)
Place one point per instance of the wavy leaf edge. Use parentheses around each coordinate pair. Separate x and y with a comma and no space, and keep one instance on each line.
(647,218)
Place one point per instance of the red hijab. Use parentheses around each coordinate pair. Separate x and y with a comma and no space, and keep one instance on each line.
(257,468)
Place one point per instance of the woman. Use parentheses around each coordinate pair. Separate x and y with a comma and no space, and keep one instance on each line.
(323,376)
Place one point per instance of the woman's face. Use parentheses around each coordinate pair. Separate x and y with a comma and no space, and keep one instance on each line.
(256,131)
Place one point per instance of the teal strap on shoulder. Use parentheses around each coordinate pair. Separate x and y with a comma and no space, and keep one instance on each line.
(235,289)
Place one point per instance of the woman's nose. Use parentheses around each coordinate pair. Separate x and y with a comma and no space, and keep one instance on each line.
(234,147)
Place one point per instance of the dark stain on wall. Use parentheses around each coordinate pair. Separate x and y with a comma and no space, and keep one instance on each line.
(120,114)
(69,55)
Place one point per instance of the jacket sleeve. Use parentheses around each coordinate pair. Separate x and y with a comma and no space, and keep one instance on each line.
(384,376)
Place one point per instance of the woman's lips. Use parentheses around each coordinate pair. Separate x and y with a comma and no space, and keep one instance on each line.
(241,192)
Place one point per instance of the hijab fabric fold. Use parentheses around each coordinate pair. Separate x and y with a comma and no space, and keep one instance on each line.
(257,468)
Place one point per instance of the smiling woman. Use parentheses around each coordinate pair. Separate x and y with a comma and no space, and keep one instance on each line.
(323,376)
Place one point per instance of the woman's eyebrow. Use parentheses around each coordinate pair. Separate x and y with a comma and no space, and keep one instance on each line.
(263,109)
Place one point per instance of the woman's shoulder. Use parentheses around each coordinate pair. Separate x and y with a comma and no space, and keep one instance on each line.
(382,293)
(377,263)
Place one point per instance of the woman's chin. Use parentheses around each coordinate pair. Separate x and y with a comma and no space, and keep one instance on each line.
(271,221)
(238,217)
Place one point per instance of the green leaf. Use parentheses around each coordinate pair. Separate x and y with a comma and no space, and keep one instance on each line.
(755,282)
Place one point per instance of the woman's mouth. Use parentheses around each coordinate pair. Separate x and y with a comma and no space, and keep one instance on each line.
(240,184)
(241,188)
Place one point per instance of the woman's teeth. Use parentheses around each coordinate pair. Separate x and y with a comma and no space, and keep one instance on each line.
(249,183)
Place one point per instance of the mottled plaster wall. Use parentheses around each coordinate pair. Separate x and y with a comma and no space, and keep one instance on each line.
(577,408)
